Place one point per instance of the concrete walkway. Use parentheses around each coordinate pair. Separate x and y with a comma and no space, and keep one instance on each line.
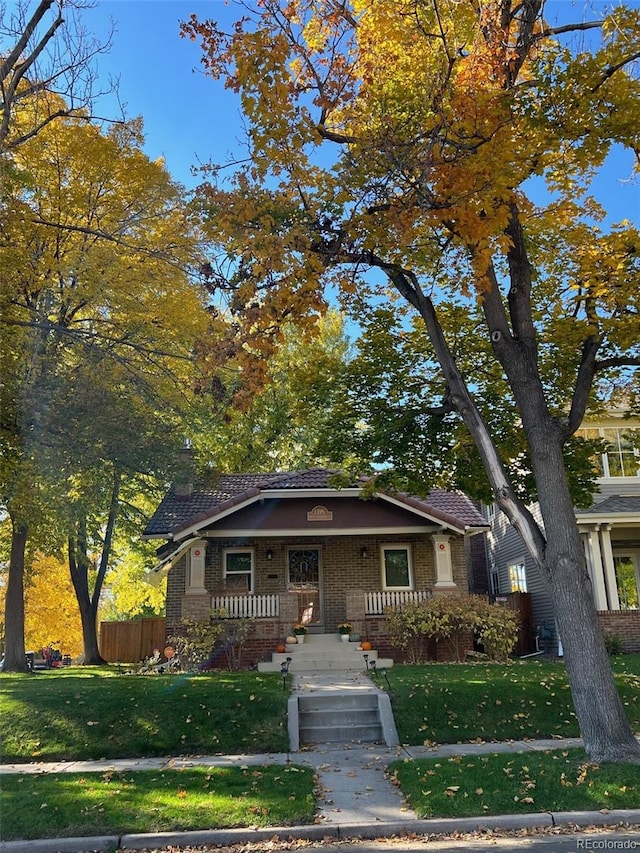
(356,796)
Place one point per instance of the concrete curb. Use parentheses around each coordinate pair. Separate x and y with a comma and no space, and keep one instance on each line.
(318,832)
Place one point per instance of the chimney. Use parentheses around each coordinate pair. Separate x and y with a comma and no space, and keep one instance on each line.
(185,466)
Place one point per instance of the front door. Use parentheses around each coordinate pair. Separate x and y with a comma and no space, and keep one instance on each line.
(304,580)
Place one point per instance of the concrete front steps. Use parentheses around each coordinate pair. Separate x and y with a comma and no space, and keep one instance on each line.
(333,707)
(339,718)
(322,653)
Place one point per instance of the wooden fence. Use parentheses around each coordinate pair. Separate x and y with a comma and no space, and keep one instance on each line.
(132,641)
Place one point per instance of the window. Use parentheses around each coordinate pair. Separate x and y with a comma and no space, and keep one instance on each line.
(494,580)
(627,581)
(396,567)
(238,570)
(620,457)
(517,577)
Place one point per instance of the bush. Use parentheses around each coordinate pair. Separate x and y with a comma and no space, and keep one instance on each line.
(232,637)
(195,639)
(614,643)
(447,619)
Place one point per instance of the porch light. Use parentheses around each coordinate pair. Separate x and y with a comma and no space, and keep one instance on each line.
(364,553)
(269,554)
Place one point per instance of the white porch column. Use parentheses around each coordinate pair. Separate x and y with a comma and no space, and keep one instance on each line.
(609,567)
(444,566)
(593,556)
(195,569)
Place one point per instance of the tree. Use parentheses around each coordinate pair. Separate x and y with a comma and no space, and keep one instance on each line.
(443,113)
(46,70)
(383,416)
(100,316)
(51,608)
(283,423)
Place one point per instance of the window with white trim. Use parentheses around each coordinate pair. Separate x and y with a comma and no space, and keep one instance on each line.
(397,571)
(238,569)
(621,457)
(517,577)
(494,579)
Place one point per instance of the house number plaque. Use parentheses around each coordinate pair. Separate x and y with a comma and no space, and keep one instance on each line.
(319,513)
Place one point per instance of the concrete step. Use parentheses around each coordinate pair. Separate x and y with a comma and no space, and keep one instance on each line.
(339,717)
(329,718)
(337,701)
(349,733)
(313,665)
(323,652)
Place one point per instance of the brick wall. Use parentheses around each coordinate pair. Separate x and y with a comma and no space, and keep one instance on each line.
(624,623)
(344,571)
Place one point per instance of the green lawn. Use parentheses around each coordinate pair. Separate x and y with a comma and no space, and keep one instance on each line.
(450,703)
(559,780)
(73,804)
(92,713)
(97,713)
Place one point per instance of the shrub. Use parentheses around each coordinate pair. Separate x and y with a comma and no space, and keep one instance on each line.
(614,643)
(447,619)
(195,639)
(232,637)
(407,629)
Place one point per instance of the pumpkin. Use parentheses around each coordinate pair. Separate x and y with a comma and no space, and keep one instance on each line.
(281,648)
(366,646)
(291,641)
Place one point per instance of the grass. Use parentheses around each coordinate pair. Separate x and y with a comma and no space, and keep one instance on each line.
(73,804)
(450,703)
(92,713)
(558,780)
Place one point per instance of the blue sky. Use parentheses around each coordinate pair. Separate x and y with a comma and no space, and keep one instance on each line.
(190,118)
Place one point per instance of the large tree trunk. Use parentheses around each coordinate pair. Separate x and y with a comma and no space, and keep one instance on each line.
(603,723)
(558,549)
(79,569)
(14,649)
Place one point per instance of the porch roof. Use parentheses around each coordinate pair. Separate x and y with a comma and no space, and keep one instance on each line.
(180,514)
(623,509)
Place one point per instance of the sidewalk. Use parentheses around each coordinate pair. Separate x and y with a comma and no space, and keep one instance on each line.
(356,799)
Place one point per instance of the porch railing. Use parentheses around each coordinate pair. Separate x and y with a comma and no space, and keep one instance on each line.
(247,606)
(376,602)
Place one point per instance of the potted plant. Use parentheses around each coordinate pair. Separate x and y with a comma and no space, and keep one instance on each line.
(345,630)
(300,630)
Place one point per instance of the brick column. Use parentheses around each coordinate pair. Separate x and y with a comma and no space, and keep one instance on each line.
(355,609)
(196,606)
(288,611)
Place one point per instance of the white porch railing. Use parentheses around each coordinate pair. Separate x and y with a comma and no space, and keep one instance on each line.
(376,602)
(247,606)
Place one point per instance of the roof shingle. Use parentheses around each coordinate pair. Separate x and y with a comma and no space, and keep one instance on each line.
(176,511)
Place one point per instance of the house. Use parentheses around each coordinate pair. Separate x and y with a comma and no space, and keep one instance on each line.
(286,546)
(610,530)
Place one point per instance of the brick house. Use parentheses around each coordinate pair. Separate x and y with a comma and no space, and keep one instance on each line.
(284,547)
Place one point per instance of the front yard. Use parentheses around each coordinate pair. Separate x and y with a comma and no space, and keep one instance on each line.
(97,713)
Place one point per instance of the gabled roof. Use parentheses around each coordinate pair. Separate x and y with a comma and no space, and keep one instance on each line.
(178,512)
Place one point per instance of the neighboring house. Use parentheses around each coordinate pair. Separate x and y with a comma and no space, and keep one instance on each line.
(286,546)
(610,531)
